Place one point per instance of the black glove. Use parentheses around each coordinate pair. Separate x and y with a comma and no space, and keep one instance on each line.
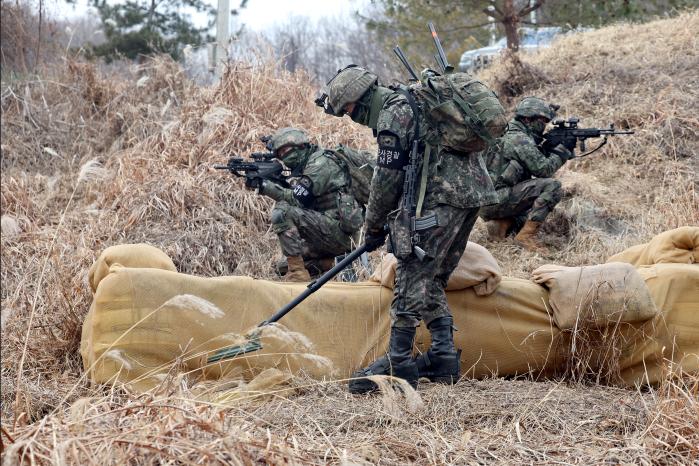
(565,153)
(253,183)
(570,143)
(374,239)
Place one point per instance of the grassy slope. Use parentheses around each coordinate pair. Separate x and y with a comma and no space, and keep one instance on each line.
(91,160)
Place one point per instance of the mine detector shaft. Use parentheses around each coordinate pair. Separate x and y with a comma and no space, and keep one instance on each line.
(264,167)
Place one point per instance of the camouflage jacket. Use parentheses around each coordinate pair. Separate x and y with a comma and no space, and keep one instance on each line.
(516,157)
(459,180)
(319,183)
(321,174)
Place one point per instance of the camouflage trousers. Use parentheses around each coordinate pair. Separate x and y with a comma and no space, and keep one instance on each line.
(418,293)
(532,199)
(308,233)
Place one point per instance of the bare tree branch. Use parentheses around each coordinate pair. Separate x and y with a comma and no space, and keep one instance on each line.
(528,9)
(470,26)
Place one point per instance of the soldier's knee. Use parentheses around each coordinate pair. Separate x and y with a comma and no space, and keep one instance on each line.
(280,218)
(552,191)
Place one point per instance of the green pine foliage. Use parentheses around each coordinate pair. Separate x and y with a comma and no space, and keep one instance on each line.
(146,27)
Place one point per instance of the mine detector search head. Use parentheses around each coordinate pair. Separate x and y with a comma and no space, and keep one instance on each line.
(254,343)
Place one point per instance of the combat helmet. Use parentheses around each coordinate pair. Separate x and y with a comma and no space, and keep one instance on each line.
(286,137)
(535,107)
(347,86)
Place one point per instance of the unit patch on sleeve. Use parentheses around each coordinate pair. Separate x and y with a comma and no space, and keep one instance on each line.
(391,155)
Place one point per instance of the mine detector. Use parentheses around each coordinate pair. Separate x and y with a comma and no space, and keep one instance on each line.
(408,206)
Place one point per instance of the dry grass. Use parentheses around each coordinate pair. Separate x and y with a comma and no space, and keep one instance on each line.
(92,159)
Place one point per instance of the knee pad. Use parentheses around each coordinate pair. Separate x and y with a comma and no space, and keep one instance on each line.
(280,220)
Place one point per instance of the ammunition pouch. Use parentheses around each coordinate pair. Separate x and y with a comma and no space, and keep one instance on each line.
(350,213)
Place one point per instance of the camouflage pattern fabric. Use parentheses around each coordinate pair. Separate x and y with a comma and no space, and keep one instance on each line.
(325,227)
(418,293)
(458,180)
(521,173)
(457,185)
(533,199)
(287,137)
(307,233)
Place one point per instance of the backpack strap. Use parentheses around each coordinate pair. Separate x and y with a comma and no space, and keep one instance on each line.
(423,180)
(333,155)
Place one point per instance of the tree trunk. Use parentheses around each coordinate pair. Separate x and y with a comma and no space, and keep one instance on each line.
(510,21)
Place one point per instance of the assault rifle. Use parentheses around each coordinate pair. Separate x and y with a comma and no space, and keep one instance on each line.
(263,167)
(567,130)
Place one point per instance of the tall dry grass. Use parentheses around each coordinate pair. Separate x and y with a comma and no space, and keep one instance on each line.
(92,159)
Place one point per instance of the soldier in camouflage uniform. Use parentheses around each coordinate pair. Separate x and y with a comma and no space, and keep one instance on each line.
(318,217)
(521,171)
(458,184)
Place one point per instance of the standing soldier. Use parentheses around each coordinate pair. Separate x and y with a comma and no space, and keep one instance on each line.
(457,184)
(521,171)
(318,218)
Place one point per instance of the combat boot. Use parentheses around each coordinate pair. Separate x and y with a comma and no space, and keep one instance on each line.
(442,362)
(326,264)
(497,229)
(297,270)
(398,363)
(526,237)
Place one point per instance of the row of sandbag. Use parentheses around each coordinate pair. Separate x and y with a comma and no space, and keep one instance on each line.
(145,315)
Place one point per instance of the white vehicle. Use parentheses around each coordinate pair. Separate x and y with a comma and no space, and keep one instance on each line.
(530,40)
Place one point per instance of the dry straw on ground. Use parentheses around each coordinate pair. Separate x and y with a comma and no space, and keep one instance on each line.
(91,159)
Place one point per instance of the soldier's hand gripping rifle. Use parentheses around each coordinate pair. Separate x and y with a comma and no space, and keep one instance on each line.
(568,133)
(263,167)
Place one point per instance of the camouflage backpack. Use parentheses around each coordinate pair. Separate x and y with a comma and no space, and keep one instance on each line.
(360,166)
(463,114)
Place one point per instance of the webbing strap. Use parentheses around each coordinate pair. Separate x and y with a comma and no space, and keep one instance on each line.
(423,180)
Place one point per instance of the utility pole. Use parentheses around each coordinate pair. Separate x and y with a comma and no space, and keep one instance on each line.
(219,53)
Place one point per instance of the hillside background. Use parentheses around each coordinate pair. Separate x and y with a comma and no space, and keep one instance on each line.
(96,155)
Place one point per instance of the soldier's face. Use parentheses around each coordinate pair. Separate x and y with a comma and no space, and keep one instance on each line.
(281,152)
(349,108)
(538,124)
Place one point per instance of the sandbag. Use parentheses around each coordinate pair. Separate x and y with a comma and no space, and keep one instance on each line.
(669,343)
(146,322)
(595,296)
(128,255)
(144,319)
(679,246)
(477,268)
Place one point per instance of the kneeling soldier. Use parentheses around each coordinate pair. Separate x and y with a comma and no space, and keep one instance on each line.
(521,171)
(318,217)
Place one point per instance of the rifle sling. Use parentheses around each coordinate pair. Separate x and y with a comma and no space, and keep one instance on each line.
(423,180)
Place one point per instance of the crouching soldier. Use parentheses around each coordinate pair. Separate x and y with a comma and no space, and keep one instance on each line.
(521,171)
(317,218)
